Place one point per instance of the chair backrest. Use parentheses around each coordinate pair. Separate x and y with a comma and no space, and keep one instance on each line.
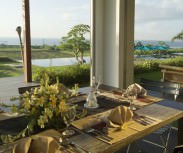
(178,149)
(22,90)
(169,88)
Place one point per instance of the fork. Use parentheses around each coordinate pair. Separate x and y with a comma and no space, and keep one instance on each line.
(78,147)
(144,121)
(99,133)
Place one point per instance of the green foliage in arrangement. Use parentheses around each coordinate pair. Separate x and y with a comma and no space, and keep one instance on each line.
(68,75)
(153,65)
(43,107)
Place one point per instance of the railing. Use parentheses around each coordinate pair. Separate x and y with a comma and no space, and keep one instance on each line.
(172,73)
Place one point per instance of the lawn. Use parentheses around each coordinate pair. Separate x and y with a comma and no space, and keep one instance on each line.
(44,53)
(8,55)
(8,71)
(154,75)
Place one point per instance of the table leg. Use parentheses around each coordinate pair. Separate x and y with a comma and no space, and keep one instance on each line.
(180,131)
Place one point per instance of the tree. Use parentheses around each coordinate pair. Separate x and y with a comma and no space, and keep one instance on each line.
(76,41)
(179,36)
(139,44)
(163,43)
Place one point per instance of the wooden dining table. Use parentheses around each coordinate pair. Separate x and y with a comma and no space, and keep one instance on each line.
(162,111)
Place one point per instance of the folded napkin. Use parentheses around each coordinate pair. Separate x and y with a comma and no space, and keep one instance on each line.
(37,144)
(136,89)
(119,116)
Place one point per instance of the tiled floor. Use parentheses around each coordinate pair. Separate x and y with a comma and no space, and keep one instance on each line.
(9,86)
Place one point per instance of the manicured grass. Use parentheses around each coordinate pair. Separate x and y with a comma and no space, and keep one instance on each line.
(15,53)
(8,71)
(154,75)
(6,60)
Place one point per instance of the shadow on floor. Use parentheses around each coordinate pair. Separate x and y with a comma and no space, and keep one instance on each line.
(143,147)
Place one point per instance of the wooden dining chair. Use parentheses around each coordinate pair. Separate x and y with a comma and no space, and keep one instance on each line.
(178,149)
(165,88)
(168,90)
(22,90)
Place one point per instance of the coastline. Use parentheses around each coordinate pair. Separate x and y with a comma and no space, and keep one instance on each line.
(56,41)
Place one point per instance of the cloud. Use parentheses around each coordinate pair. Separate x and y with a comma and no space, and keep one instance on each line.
(67,16)
(157,31)
(156,10)
(83,7)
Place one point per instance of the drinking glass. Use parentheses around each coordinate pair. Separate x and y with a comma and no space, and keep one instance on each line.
(68,117)
(95,84)
(132,95)
(91,101)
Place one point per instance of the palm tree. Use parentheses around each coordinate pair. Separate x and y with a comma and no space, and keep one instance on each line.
(179,36)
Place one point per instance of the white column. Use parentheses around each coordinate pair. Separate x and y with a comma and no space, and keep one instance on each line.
(112,41)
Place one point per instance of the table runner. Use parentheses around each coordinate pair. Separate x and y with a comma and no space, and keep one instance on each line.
(139,102)
(116,95)
(132,127)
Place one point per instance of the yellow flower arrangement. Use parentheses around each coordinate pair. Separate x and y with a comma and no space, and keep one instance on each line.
(43,106)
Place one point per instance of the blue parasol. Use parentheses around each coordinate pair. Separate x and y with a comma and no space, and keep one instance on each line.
(148,48)
(145,48)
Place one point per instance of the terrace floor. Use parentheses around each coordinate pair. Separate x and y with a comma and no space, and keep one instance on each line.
(9,87)
(143,147)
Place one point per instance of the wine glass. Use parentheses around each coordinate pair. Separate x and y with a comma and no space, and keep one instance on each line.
(132,95)
(95,84)
(68,117)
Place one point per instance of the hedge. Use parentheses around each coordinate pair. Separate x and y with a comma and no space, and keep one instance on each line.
(153,65)
(68,75)
(80,74)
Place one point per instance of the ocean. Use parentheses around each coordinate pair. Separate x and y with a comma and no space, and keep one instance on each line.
(175,44)
(56,41)
(34,41)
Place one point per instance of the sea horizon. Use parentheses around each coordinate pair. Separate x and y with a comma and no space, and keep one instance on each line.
(56,41)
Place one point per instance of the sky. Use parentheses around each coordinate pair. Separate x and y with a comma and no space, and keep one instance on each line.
(154,19)
(158,19)
(49,18)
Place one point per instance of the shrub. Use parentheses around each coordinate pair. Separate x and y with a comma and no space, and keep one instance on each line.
(68,75)
(153,65)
